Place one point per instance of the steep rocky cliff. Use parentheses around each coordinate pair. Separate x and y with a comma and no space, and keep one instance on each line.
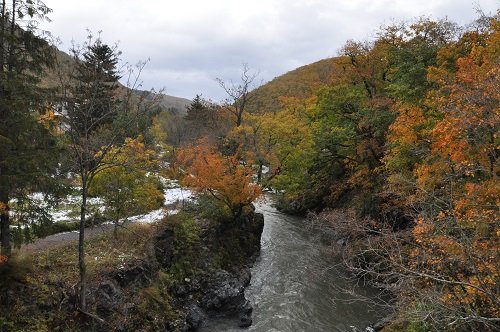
(198,271)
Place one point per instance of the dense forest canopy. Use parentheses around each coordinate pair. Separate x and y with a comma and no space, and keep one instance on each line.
(400,132)
(403,131)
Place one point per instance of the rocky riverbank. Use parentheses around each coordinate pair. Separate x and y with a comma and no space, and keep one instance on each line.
(199,270)
(174,276)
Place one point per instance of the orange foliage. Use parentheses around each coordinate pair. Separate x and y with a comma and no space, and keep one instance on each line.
(4,206)
(468,134)
(467,266)
(457,232)
(3,259)
(223,177)
(405,128)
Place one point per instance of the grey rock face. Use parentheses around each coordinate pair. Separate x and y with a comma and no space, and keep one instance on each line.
(194,318)
(109,298)
(226,294)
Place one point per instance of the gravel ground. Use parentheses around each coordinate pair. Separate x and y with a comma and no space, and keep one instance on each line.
(61,239)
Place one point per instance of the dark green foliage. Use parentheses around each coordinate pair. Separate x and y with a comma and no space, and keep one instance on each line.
(28,149)
(349,132)
(201,120)
(238,240)
(210,208)
(54,228)
(93,101)
(410,57)
(338,113)
(186,235)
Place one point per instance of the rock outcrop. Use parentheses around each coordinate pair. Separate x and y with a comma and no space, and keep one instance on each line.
(221,291)
(187,280)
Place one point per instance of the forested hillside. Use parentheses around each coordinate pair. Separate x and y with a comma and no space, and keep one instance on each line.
(400,134)
(392,147)
(301,83)
(401,131)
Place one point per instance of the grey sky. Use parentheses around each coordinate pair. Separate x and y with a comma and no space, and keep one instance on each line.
(191,42)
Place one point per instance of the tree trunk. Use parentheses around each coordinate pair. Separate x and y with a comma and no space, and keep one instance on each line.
(12,34)
(5,225)
(259,172)
(2,35)
(81,247)
(115,229)
(4,197)
(239,116)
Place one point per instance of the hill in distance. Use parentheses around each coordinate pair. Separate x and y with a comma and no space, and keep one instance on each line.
(301,83)
(169,103)
(65,63)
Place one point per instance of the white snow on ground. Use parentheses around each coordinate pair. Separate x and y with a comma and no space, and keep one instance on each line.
(174,195)
(61,215)
(147,218)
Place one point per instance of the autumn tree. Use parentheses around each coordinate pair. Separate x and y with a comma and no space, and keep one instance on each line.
(222,177)
(443,164)
(365,63)
(464,173)
(127,186)
(282,142)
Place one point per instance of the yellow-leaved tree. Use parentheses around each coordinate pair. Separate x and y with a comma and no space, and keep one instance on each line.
(126,185)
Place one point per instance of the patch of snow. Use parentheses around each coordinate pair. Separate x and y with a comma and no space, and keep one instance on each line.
(147,218)
(169,183)
(37,196)
(174,195)
(62,215)
(95,201)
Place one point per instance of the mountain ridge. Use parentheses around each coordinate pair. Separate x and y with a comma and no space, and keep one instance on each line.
(65,62)
(301,83)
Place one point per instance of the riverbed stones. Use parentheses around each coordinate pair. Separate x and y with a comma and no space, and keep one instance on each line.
(225,294)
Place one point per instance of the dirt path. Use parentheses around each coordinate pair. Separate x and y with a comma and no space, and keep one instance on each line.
(174,201)
(61,239)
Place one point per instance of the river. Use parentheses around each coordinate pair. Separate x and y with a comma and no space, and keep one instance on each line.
(294,287)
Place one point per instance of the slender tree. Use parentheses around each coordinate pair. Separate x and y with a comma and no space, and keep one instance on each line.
(129,188)
(238,94)
(97,115)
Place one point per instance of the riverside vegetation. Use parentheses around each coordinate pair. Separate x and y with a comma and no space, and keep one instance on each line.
(393,145)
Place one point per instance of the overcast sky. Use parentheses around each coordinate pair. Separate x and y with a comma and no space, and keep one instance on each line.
(192,42)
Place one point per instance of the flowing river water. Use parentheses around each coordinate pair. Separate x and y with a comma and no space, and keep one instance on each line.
(294,287)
